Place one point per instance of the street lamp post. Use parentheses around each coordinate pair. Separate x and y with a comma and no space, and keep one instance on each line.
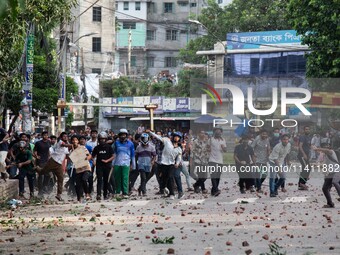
(73,44)
(62,100)
(199,23)
(219,41)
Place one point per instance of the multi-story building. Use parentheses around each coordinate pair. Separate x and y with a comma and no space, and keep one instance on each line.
(159,29)
(155,31)
(93,31)
(223,3)
(168,31)
(132,22)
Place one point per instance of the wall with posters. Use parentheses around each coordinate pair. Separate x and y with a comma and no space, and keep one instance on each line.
(165,105)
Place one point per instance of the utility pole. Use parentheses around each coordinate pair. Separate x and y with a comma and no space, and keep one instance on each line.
(26,103)
(114,38)
(129,52)
(84,88)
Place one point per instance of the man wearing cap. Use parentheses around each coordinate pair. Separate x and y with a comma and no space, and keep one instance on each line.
(217,148)
(124,158)
(24,163)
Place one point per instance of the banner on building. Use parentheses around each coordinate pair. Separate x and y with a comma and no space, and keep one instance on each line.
(256,40)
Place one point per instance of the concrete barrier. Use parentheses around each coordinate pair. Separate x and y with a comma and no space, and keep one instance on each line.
(9,189)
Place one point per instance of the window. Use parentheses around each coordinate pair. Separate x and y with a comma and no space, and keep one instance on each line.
(193,4)
(116,4)
(171,35)
(129,25)
(151,7)
(96,70)
(126,6)
(254,66)
(150,35)
(168,7)
(183,4)
(220,1)
(97,14)
(170,62)
(150,62)
(133,61)
(137,6)
(267,64)
(96,44)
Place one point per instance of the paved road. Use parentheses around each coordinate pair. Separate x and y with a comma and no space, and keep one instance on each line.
(228,224)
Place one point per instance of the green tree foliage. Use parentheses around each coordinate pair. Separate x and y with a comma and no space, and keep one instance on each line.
(15,20)
(256,15)
(124,87)
(318,22)
(46,80)
(239,16)
(10,7)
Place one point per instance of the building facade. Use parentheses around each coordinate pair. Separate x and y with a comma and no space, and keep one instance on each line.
(92,31)
(131,18)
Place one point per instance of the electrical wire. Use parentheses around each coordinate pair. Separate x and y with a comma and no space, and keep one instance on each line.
(188,23)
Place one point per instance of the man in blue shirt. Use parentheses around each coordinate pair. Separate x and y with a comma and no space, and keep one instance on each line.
(124,157)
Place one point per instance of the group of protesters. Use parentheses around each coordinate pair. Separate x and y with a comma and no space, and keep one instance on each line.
(116,161)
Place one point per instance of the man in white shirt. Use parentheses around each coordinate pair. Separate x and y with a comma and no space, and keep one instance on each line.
(217,148)
(276,160)
(94,141)
(55,162)
(171,158)
(329,168)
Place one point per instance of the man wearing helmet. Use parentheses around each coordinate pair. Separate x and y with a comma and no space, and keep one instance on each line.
(124,157)
(103,156)
(146,156)
(24,163)
(171,158)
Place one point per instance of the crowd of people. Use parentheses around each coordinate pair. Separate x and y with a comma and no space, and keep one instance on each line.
(115,161)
